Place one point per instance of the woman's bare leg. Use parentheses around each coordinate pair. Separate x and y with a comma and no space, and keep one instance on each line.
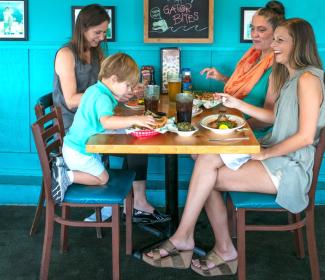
(140,198)
(251,177)
(202,182)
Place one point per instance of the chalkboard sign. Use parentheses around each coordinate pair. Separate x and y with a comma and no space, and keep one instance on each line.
(178,21)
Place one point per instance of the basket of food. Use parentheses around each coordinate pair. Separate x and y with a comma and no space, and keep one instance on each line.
(140,132)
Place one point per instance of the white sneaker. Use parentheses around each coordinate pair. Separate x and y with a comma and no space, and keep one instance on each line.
(106,214)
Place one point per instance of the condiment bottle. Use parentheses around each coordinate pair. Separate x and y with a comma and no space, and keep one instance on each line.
(186,80)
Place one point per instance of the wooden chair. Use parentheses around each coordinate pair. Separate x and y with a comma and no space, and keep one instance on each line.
(248,202)
(43,105)
(113,194)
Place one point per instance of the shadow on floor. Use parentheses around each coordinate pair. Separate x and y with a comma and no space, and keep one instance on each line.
(269,255)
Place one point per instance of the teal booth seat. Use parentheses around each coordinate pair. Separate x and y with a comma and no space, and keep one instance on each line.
(259,200)
(114,192)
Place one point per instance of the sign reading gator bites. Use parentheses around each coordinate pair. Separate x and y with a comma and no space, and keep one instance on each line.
(178,21)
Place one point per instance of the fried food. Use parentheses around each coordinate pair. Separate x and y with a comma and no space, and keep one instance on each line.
(160,121)
(206,96)
(135,102)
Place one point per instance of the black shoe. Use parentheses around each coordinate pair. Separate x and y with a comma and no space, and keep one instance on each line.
(149,218)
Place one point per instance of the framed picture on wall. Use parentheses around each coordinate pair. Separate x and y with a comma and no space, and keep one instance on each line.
(246,15)
(170,62)
(13,20)
(110,34)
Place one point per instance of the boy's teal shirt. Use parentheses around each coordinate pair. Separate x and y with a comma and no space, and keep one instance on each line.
(97,101)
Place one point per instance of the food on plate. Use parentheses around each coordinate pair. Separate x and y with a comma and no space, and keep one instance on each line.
(207,96)
(185,126)
(136,102)
(222,122)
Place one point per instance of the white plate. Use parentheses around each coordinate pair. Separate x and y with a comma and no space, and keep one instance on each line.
(187,133)
(206,103)
(196,111)
(205,121)
(137,107)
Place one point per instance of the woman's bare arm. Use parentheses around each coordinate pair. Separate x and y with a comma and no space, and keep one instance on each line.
(310,98)
(65,69)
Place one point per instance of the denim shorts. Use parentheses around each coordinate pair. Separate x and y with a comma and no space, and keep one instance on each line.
(76,161)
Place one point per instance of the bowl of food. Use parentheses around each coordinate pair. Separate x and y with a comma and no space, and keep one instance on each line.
(185,129)
(222,123)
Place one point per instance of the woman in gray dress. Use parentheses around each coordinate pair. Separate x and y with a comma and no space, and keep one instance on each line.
(76,68)
(283,166)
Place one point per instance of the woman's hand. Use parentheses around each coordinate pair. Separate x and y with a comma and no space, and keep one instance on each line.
(229,101)
(213,73)
(143,121)
(261,155)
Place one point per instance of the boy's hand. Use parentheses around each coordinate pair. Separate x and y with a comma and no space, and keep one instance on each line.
(143,121)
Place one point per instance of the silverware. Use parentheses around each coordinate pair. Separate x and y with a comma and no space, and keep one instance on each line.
(229,139)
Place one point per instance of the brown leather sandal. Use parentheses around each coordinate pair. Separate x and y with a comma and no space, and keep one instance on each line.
(220,267)
(175,258)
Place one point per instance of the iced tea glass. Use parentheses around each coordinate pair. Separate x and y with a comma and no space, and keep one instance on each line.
(174,85)
(184,104)
(151,98)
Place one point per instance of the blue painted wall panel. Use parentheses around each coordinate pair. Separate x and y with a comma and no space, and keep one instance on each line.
(14,100)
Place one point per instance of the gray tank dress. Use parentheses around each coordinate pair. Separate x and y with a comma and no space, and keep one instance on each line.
(86,75)
(294,169)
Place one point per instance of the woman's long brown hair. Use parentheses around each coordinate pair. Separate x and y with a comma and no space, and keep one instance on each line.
(304,51)
(89,16)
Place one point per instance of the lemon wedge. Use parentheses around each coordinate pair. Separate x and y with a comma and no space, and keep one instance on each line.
(223,126)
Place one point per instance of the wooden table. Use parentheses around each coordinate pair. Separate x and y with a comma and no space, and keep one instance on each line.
(171,145)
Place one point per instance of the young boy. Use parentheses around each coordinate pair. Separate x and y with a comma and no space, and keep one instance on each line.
(118,74)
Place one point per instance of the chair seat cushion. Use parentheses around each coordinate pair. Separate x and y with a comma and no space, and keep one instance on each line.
(253,200)
(114,192)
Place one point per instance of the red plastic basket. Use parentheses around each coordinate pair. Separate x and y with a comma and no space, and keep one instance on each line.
(144,133)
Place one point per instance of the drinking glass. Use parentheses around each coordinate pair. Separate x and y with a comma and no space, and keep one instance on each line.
(184,104)
(151,98)
(174,85)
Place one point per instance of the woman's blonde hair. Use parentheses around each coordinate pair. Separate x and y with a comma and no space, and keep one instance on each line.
(121,65)
(304,51)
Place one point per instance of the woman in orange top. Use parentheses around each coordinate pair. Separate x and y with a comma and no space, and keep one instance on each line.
(250,79)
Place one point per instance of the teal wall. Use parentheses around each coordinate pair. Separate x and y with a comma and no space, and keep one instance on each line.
(26,67)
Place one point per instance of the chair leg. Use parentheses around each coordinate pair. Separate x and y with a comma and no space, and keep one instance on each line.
(311,244)
(116,241)
(128,223)
(241,246)
(47,243)
(298,235)
(38,212)
(64,230)
(99,231)
(231,213)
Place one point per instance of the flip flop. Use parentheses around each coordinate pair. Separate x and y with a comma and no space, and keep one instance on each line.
(175,258)
(221,267)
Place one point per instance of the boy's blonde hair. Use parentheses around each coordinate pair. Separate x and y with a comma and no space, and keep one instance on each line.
(121,65)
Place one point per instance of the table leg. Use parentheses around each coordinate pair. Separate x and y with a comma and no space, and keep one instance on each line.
(171,186)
